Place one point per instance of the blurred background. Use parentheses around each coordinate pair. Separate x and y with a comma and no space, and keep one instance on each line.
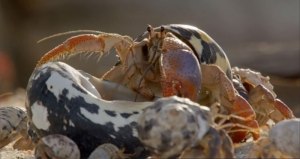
(261,35)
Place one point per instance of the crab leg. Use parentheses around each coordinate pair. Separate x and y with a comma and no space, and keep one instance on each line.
(87,43)
(223,91)
(283,109)
(242,108)
(180,70)
(265,104)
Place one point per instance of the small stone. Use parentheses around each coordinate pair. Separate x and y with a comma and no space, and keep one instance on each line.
(285,136)
(57,146)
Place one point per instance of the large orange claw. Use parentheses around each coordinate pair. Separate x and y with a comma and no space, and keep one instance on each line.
(87,43)
(180,71)
(181,74)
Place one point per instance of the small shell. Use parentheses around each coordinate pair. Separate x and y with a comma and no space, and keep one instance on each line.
(170,125)
(12,122)
(57,146)
(107,151)
(285,136)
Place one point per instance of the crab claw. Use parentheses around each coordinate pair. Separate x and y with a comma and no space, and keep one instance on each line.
(284,110)
(87,43)
(180,70)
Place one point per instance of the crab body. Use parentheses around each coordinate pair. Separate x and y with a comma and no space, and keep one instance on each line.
(159,65)
(204,47)
(143,61)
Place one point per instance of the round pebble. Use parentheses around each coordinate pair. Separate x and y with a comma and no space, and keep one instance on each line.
(169,126)
(285,136)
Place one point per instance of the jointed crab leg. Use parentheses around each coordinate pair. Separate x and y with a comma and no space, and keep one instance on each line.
(87,43)
(283,109)
(266,105)
(262,97)
(223,91)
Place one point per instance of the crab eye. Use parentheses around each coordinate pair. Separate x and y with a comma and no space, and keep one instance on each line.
(149,28)
(162,29)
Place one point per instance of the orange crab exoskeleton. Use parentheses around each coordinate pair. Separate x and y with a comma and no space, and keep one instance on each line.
(223,91)
(160,62)
(180,69)
(162,65)
(262,97)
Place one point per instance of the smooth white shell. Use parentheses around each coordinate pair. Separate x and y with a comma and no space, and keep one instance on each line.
(286,136)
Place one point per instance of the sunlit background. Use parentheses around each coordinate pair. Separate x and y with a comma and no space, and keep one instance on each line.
(261,35)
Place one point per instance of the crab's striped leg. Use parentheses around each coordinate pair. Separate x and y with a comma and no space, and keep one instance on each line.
(87,43)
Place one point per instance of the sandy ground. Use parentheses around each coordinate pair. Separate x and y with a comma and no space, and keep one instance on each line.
(9,153)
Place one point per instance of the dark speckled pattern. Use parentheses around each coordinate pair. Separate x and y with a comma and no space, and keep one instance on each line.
(86,134)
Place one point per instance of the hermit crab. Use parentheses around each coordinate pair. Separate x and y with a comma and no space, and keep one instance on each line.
(162,76)
(166,61)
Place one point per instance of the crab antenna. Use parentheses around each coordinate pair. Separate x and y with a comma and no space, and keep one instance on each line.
(67,33)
